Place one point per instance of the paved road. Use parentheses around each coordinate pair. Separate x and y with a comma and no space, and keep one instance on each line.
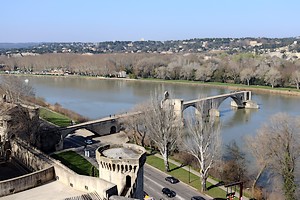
(154,182)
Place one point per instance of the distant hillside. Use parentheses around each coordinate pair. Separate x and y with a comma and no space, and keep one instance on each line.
(16,45)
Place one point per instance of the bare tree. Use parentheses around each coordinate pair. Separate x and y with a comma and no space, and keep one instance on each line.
(278,149)
(15,88)
(273,76)
(295,78)
(135,124)
(202,140)
(246,75)
(233,70)
(256,146)
(162,125)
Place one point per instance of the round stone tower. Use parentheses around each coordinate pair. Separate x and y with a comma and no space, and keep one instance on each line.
(123,165)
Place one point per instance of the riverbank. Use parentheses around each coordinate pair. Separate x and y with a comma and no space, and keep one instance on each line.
(229,86)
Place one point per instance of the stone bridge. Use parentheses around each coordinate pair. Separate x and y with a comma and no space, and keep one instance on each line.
(107,125)
(100,127)
(241,99)
(103,126)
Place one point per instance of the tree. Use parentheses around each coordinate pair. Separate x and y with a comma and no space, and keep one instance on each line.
(135,124)
(163,125)
(202,140)
(295,78)
(272,76)
(235,163)
(256,146)
(15,88)
(279,144)
(246,75)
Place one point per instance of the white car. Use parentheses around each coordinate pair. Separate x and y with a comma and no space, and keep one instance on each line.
(88,141)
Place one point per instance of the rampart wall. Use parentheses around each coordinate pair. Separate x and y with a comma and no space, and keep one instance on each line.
(46,169)
(27,181)
(84,183)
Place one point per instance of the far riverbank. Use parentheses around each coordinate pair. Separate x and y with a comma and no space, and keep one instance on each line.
(229,86)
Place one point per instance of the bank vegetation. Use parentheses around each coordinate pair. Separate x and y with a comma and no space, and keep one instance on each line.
(241,68)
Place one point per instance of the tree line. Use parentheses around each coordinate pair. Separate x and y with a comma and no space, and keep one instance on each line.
(242,68)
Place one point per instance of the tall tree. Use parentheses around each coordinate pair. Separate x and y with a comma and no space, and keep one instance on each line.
(163,125)
(202,140)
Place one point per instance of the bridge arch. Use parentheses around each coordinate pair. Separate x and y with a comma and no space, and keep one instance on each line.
(214,103)
(113,129)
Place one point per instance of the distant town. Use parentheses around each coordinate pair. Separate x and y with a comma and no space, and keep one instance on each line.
(286,47)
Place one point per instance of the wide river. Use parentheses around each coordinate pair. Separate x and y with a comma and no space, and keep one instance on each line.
(97,98)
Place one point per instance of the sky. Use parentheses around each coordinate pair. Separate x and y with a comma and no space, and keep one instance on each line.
(134,20)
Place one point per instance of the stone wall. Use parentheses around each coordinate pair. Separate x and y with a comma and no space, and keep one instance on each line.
(32,158)
(87,184)
(27,181)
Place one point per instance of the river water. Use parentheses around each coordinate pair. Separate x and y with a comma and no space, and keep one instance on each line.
(97,98)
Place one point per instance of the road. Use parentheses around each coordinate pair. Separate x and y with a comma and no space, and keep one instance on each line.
(154,182)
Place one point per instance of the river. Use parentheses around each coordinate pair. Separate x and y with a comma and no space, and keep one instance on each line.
(97,98)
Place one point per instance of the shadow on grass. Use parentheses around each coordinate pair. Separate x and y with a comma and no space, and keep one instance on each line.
(178,167)
(216,185)
(151,153)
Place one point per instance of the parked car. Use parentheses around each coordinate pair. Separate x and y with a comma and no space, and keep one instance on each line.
(88,141)
(172,179)
(197,198)
(168,192)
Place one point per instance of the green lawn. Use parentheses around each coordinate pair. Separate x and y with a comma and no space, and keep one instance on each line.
(183,175)
(77,163)
(54,117)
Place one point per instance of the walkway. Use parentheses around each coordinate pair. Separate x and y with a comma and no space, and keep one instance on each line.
(196,173)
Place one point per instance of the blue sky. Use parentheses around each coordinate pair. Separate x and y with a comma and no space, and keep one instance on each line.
(108,20)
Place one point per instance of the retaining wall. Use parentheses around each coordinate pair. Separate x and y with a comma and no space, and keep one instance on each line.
(27,181)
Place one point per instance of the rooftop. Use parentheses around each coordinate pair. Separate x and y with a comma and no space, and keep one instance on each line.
(121,153)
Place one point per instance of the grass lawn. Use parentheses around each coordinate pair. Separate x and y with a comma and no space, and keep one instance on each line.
(77,163)
(183,175)
(54,117)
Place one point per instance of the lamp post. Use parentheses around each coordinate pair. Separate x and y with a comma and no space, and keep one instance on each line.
(189,173)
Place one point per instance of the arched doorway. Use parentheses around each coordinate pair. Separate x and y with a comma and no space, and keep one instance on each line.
(7,154)
(128,181)
(113,129)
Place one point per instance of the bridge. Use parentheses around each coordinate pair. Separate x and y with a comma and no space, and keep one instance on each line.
(100,127)
(110,125)
(103,126)
(241,99)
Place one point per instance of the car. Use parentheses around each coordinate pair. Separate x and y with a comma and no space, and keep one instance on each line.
(172,179)
(88,141)
(197,198)
(168,192)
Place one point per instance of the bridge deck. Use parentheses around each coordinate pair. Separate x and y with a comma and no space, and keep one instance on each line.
(213,97)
